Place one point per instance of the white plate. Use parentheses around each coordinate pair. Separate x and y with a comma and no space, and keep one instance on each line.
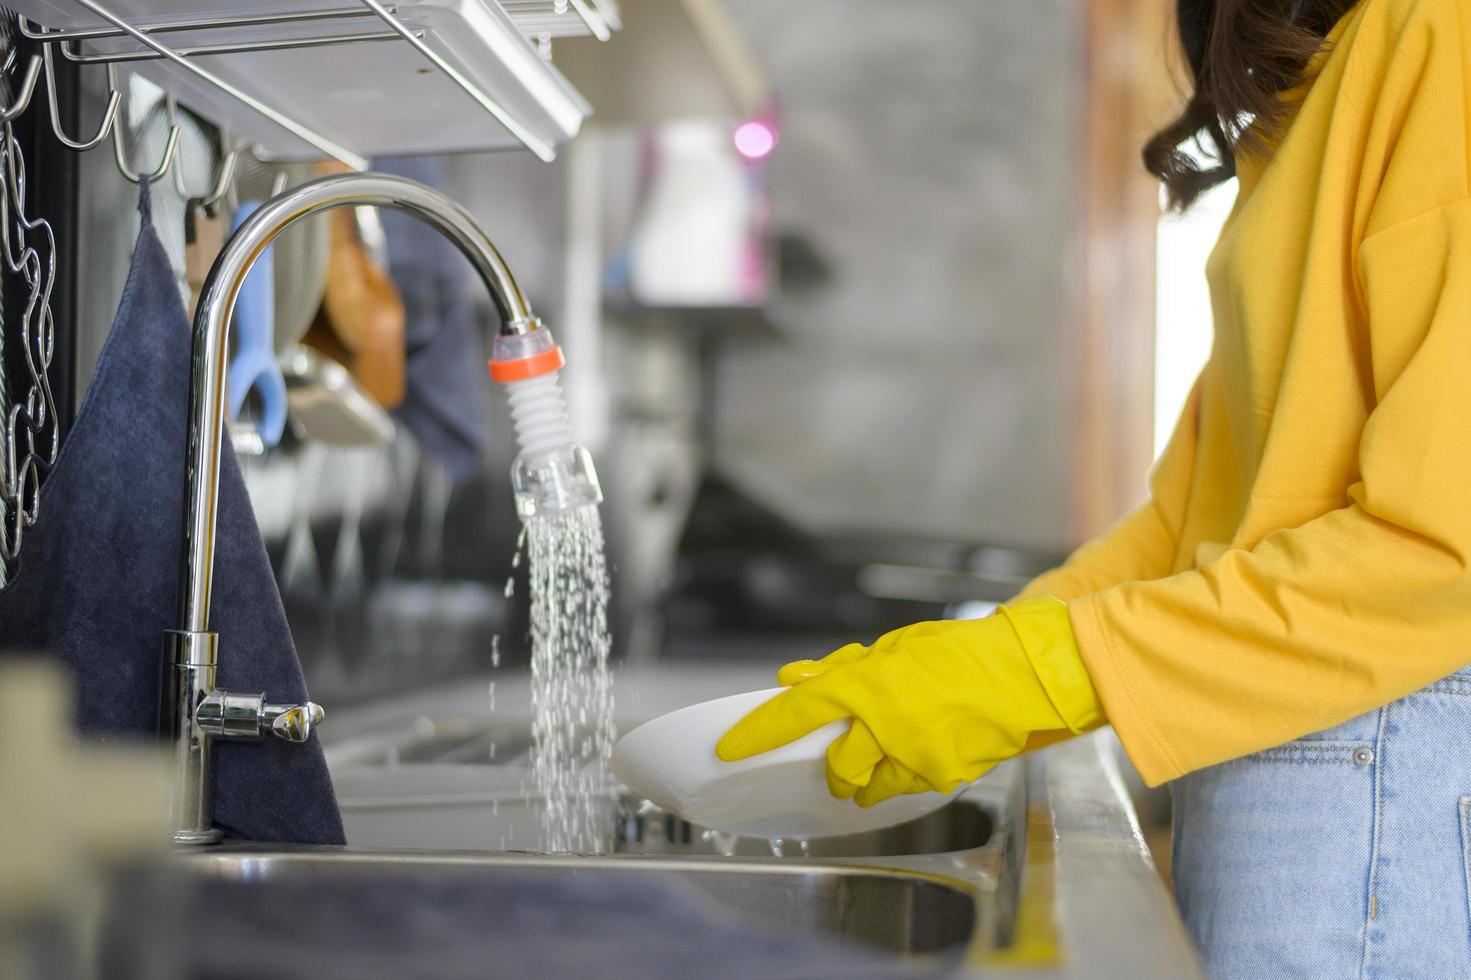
(671,761)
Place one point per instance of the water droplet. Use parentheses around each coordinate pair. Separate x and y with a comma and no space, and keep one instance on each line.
(725,844)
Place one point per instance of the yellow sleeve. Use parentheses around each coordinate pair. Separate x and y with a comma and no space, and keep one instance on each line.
(1352,610)
(1141,545)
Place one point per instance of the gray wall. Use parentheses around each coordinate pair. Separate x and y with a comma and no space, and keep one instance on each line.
(929,154)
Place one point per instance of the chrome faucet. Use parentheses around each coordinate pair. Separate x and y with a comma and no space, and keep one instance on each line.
(193,711)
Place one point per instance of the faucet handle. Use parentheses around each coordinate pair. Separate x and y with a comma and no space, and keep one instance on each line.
(292,722)
(227,715)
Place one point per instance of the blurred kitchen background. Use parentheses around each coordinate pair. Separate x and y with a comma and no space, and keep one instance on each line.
(859,300)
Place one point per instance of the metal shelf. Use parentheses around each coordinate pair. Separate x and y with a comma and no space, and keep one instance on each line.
(539,19)
(443,75)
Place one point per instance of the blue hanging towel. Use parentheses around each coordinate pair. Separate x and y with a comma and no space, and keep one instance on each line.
(98,577)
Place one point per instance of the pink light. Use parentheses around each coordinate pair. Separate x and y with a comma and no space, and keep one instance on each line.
(755,140)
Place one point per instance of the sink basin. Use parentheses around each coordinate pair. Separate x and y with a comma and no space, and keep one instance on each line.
(282,912)
(463,784)
(961,885)
(1082,899)
(932,891)
(904,913)
(436,881)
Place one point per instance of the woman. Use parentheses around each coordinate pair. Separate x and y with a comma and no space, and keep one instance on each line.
(1279,628)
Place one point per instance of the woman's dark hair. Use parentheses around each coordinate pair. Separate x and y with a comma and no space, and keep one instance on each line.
(1242,54)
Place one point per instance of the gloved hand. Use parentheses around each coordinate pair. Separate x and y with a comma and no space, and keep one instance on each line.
(934,705)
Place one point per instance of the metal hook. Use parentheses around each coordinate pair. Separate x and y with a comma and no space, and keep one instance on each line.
(229,156)
(178,175)
(114,98)
(121,157)
(226,182)
(27,89)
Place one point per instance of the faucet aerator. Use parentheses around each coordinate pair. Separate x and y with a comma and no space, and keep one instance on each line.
(553,473)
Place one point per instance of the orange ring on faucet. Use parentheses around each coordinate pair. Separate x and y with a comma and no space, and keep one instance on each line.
(525,368)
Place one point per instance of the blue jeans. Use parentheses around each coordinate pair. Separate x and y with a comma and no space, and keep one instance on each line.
(1346,854)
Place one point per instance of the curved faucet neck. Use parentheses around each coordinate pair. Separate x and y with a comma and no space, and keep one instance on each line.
(194,711)
(207,395)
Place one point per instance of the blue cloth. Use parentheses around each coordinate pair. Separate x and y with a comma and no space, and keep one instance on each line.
(98,578)
(254,365)
(1344,854)
(446,397)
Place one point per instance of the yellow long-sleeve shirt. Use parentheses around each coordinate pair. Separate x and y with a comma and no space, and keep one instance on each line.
(1304,555)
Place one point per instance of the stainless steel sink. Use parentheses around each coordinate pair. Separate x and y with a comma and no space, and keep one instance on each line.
(940,888)
(909,913)
(1043,855)
(465,784)
(509,821)
(1081,900)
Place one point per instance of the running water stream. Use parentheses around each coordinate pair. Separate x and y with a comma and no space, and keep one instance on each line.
(571,687)
(557,496)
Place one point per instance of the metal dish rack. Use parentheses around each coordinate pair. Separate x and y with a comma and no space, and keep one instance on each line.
(188,46)
(298,82)
(546,19)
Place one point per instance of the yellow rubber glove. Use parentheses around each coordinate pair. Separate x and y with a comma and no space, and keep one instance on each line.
(934,705)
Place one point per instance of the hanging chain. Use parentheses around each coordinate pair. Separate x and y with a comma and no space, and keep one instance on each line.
(5,89)
(32,434)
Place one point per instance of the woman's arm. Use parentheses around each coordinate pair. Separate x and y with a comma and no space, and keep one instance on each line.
(1143,544)
(1352,610)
